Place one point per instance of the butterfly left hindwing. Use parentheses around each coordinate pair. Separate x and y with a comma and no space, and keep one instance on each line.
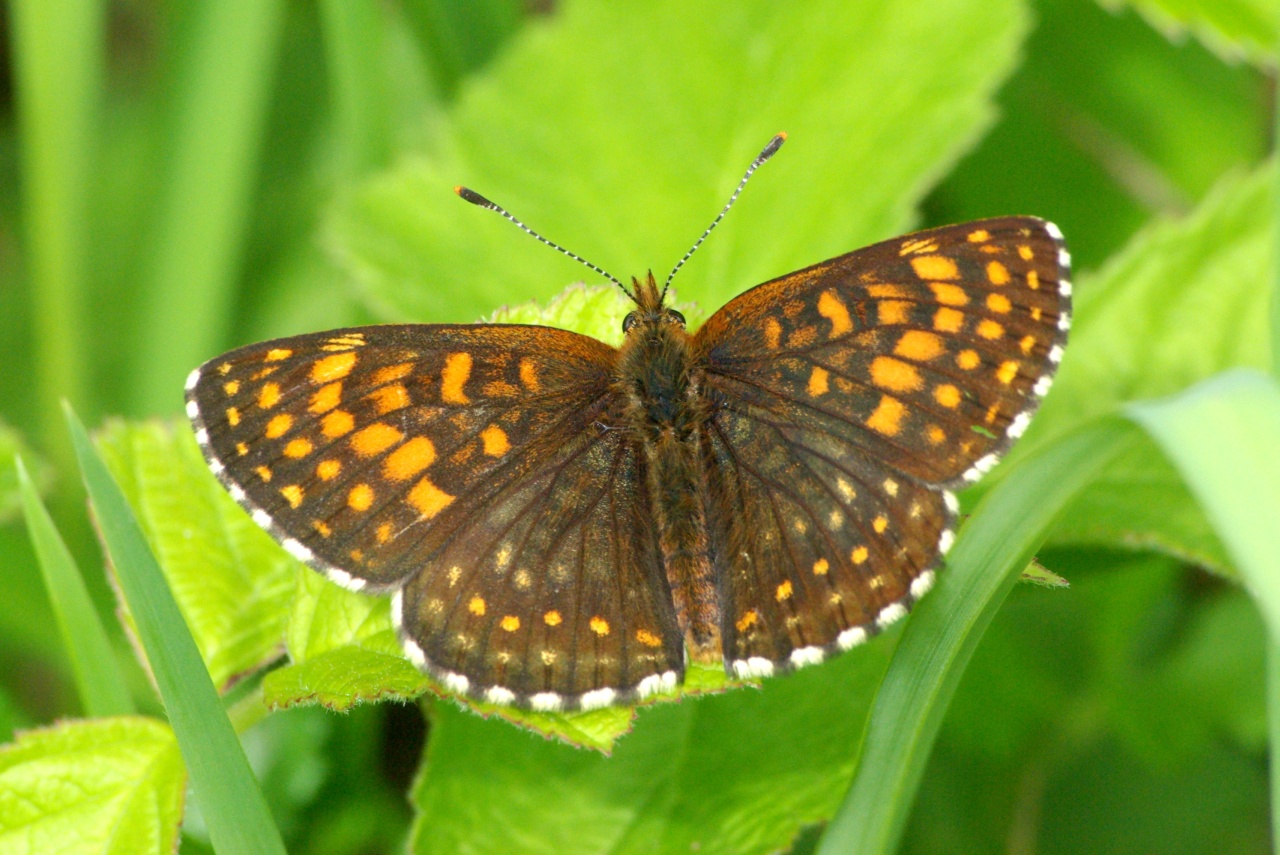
(466,465)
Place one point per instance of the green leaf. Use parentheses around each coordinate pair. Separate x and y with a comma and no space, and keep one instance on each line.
(231,580)
(11,448)
(1186,300)
(107,787)
(741,772)
(625,155)
(997,541)
(101,685)
(224,785)
(1222,436)
(1233,28)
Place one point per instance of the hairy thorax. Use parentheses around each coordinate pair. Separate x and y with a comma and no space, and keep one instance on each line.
(666,412)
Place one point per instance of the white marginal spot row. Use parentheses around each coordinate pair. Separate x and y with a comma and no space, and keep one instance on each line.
(192,380)
(597,699)
(1064,287)
(803,656)
(982,467)
(1055,353)
(1053,230)
(949,499)
(756,666)
(546,702)
(1064,258)
(1064,321)
(499,695)
(1042,386)
(1018,426)
(891,614)
(851,638)
(945,541)
(922,583)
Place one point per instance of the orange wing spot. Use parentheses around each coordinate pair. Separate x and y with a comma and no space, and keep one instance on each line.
(947,395)
(409,459)
(992,412)
(356,554)
(360,498)
(263,472)
(918,346)
(891,312)
(264,372)
(935,434)
(495,441)
(948,320)
(894,375)
(233,416)
(980,236)
(893,292)
(648,639)
(599,625)
(1025,253)
(231,388)
(388,399)
(935,267)
(918,245)
(529,374)
(375,439)
(276,354)
(1027,344)
(1033,280)
(880,524)
(326,398)
(345,342)
(457,370)
(279,426)
(292,494)
(998,303)
(298,448)
(322,528)
(383,533)
(428,498)
(510,623)
(773,332)
(820,567)
(1007,371)
(333,367)
(224,368)
(269,396)
(392,373)
(818,382)
(327,470)
(552,618)
(990,330)
(747,621)
(968,359)
(1036,313)
(859,555)
(887,417)
(997,273)
(784,591)
(949,295)
(831,308)
(242,449)
(476,606)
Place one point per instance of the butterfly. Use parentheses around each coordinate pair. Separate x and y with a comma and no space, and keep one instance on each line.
(566,525)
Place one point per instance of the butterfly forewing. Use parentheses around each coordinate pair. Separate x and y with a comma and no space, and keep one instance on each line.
(415,454)
(847,399)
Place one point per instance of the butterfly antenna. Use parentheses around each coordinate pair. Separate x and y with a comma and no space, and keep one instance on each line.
(769,151)
(476,199)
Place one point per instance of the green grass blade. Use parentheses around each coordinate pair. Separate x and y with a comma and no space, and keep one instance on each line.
(102,688)
(58,70)
(230,800)
(998,540)
(355,42)
(225,84)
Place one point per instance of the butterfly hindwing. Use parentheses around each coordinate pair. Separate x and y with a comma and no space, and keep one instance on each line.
(404,455)
(847,399)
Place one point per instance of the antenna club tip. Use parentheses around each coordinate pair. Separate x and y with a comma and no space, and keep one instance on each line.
(472,196)
(782,135)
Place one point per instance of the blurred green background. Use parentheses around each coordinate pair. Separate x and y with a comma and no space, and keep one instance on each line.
(178,178)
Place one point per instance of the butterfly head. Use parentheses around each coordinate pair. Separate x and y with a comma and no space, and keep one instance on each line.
(650,312)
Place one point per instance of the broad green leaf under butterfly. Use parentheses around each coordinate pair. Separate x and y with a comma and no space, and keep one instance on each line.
(231,581)
(1185,300)
(655,136)
(110,786)
(1232,28)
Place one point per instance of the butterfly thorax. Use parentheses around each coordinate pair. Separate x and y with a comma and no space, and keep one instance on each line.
(666,412)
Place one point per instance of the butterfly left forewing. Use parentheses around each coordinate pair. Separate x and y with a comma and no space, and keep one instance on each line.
(847,400)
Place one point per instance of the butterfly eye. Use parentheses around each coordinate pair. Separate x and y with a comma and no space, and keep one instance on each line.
(676,316)
(628,322)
